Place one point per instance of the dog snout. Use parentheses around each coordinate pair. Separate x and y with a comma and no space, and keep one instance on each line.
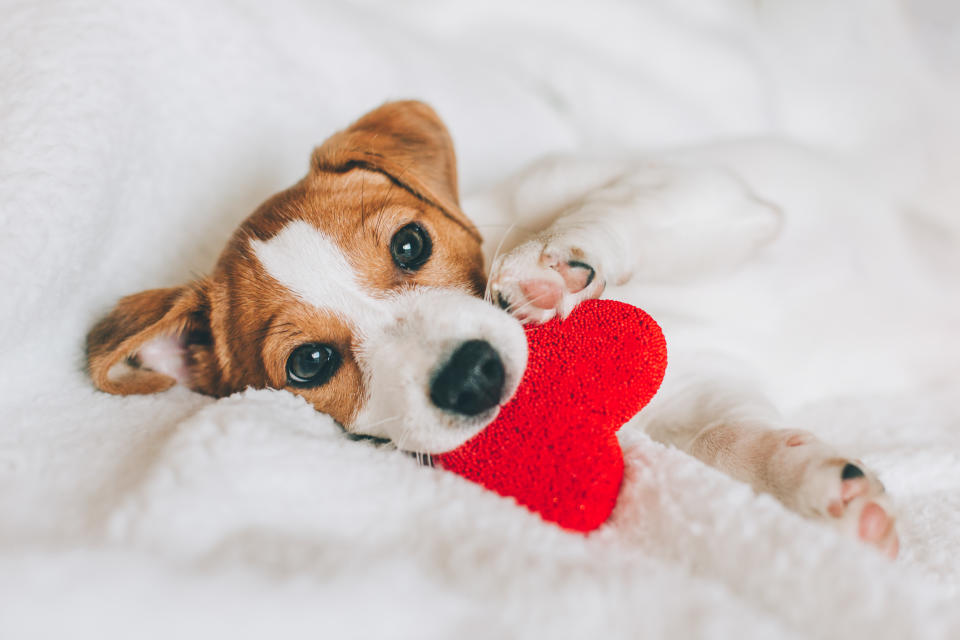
(471,381)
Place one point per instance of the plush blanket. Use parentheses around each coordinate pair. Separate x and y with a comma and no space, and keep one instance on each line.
(134,136)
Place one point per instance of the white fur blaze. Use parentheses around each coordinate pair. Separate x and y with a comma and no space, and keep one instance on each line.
(403,338)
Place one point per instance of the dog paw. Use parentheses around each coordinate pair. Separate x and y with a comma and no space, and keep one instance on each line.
(842,492)
(537,281)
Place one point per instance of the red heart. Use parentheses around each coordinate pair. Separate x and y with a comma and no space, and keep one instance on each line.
(554,446)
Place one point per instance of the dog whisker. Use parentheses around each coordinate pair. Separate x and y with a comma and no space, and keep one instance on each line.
(404,436)
(514,310)
(496,254)
(379,422)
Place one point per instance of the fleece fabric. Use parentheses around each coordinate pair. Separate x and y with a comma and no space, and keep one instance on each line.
(134,136)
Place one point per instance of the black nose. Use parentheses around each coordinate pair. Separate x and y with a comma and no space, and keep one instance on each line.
(471,381)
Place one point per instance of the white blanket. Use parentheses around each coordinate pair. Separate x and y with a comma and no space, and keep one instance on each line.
(134,136)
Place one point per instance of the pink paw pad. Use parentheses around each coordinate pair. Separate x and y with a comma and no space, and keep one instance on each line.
(876,528)
(796,440)
(850,489)
(542,294)
(576,275)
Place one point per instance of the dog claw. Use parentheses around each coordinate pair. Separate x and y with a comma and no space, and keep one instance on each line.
(851,471)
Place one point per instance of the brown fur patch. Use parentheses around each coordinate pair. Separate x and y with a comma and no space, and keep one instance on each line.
(394,166)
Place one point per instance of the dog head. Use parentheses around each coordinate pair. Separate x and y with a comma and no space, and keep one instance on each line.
(357,288)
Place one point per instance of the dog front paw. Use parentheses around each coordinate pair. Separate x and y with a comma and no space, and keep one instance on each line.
(537,281)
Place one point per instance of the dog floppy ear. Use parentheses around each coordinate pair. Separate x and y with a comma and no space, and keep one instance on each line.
(152,340)
(408,142)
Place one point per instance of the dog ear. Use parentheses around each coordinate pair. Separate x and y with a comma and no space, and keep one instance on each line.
(152,340)
(408,142)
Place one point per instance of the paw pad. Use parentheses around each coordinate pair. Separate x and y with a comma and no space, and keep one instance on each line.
(851,471)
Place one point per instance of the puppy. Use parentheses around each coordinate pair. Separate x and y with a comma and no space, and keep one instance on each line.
(361,288)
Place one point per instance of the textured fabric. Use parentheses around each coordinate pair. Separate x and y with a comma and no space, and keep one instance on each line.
(135,136)
(554,445)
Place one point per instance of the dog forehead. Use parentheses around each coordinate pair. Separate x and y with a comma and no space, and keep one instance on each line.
(312,266)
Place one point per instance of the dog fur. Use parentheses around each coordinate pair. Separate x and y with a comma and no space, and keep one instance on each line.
(310,266)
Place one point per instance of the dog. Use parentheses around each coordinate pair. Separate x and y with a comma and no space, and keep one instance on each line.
(362,289)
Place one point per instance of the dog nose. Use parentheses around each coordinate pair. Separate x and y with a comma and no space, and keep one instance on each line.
(471,381)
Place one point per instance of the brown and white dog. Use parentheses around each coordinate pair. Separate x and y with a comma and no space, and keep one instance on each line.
(361,288)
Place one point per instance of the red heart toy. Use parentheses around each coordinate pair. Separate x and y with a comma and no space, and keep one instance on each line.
(554,447)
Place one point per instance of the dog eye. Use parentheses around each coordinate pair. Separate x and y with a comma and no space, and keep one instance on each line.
(410,247)
(311,365)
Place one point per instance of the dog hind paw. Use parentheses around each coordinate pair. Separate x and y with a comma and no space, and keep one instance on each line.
(841,491)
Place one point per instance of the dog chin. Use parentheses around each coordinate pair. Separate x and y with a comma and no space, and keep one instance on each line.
(445,432)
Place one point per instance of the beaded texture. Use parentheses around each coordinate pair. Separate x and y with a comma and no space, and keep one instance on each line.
(554,446)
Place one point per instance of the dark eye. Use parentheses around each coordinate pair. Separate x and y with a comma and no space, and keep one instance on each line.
(410,247)
(310,365)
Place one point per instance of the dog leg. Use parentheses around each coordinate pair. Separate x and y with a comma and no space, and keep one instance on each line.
(663,222)
(720,421)
(655,222)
